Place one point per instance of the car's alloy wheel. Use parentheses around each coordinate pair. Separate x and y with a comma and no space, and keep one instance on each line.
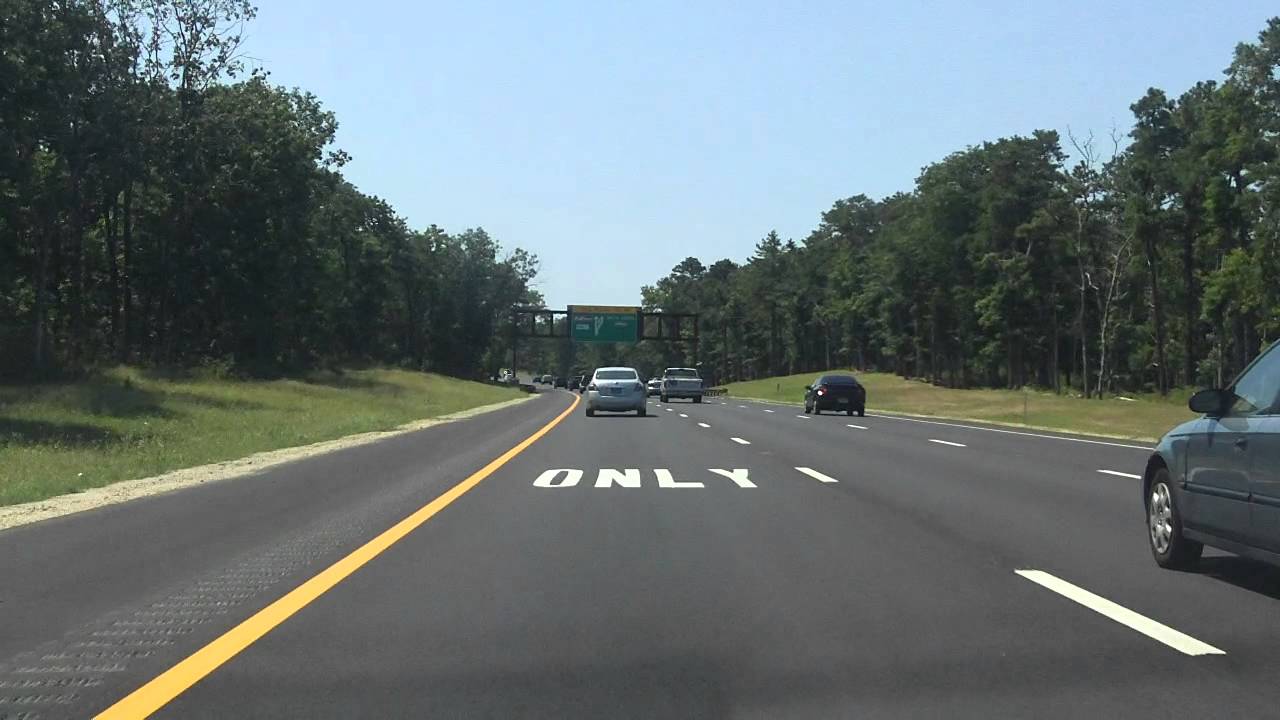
(1160,518)
(1164,526)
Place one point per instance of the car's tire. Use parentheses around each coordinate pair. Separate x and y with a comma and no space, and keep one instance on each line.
(1164,526)
(817,409)
(641,411)
(591,413)
(862,412)
(849,412)
(697,398)
(662,398)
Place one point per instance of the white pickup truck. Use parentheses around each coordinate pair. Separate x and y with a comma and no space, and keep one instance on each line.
(681,383)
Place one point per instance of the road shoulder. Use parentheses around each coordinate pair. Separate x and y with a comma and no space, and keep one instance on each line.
(26,513)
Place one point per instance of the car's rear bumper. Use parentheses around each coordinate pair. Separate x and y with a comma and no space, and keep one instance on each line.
(634,401)
(683,393)
(834,403)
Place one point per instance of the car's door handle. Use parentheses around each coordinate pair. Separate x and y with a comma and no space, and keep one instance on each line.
(1242,443)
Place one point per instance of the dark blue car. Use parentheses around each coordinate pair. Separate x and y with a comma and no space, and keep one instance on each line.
(1215,480)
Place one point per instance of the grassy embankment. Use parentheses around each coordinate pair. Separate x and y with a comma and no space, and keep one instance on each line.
(1143,417)
(127,423)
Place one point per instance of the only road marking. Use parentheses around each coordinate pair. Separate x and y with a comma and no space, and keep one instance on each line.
(740,441)
(857,427)
(171,683)
(683,415)
(738,475)
(947,442)
(1156,631)
(703,425)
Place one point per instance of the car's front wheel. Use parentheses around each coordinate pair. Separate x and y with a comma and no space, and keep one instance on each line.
(1164,526)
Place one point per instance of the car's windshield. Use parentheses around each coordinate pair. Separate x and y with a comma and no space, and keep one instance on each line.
(616,375)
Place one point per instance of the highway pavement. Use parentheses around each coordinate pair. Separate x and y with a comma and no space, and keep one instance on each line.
(726,559)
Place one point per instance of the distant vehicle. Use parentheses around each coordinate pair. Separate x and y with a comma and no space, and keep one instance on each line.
(506,377)
(654,387)
(544,379)
(836,392)
(573,383)
(582,384)
(681,383)
(1213,480)
(616,389)
(560,382)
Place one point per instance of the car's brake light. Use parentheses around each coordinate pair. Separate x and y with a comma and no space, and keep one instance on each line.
(822,389)
(592,386)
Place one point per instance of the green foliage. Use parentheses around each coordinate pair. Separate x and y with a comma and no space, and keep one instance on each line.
(158,205)
(1131,270)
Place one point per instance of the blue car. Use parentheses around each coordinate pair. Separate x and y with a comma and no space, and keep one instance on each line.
(616,389)
(1215,480)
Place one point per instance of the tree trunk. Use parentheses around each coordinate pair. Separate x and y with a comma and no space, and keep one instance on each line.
(1157,314)
(1190,300)
(42,302)
(1053,358)
(111,212)
(126,295)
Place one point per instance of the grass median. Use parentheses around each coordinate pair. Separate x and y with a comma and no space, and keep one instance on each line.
(1135,417)
(128,423)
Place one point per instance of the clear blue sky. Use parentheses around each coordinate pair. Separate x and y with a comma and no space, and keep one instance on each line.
(615,139)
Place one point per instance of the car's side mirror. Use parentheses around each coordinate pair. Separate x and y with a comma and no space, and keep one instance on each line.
(1214,402)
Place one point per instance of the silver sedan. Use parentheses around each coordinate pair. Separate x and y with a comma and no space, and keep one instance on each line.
(616,389)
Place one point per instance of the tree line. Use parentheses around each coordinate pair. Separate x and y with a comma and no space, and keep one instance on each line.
(1141,263)
(160,204)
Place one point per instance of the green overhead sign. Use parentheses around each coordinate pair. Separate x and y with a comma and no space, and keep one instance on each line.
(604,323)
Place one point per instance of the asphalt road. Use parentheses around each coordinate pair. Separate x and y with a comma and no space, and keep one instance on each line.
(727,559)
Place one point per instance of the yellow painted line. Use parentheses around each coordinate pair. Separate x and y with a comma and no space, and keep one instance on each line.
(173,682)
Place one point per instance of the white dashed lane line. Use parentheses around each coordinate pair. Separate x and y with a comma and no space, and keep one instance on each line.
(947,442)
(1156,631)
(683,415)
(744,407)
(803,417)
(1013,432)
(817,475)
(740,441)
(670,410)
(768,411)
(1117,473)
(857,427)
(703,425)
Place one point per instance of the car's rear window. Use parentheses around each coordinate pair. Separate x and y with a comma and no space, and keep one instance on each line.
(616,375)
(837,380)
(682,373)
